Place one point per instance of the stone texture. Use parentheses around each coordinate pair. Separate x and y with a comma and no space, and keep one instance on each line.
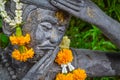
(4,75)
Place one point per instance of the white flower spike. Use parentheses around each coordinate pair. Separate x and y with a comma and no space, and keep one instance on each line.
(12,23)
(7,19)
(16,1)
(18,20)
(18,13)
(3,14)
(19,6)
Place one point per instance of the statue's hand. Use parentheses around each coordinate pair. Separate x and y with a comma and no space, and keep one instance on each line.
(40,3)
(73,7)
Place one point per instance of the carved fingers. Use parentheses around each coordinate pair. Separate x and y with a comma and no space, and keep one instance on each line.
(42,66)
(44,63)
(71,6)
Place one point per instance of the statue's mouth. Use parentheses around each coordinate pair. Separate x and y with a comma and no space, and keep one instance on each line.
(46,45)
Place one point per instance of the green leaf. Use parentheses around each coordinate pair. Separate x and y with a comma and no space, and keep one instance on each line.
(4,40)
(0,23)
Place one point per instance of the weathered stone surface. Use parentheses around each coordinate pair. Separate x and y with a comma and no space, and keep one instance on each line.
(45,4)
(96,63)
(4,75)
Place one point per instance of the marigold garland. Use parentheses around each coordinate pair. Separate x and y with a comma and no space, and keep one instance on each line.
(16,54)
(64,56)
(22,53)
(20,40)
(79,74)
(68,76)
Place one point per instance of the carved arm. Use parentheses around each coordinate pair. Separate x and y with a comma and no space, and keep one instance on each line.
(89,12)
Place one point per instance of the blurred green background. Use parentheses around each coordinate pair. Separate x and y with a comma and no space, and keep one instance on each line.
(85,35)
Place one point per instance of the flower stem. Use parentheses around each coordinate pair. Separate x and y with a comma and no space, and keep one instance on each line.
(22,49)
(18,31)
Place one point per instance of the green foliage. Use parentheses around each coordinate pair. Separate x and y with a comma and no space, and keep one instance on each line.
(4,40)
(84,35)
(0,23)
(111,7)
(104,78)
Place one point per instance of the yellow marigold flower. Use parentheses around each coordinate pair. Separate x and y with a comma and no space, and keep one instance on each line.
(64,56)
(20,40)
(68,76)
(79,74)
(23,56)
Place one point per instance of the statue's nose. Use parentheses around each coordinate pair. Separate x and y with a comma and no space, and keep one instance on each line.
(54,38)
(48,36)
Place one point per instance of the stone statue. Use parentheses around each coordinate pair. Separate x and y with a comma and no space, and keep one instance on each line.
(46,24)
(46,28)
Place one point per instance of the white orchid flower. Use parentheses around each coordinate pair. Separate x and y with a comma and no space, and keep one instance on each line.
(18,20)
(19,6)
(3,14)
(16,1)
(2,8)
(18,13)
(12,23)
(7,19)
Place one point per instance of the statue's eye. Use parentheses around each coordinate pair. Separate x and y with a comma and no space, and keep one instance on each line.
(46,26)
(61,29)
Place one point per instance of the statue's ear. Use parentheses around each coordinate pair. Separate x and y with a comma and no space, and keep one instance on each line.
(40,3)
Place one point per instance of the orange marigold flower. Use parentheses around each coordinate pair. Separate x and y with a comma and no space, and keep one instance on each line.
(13,39)
(68,76)
(20,40)
(79,74)
(23,56)
(64,56)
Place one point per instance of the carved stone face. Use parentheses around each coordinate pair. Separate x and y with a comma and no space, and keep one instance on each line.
(45,28)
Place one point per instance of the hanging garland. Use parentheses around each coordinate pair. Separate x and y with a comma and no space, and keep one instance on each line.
(22,53)
(64,58)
